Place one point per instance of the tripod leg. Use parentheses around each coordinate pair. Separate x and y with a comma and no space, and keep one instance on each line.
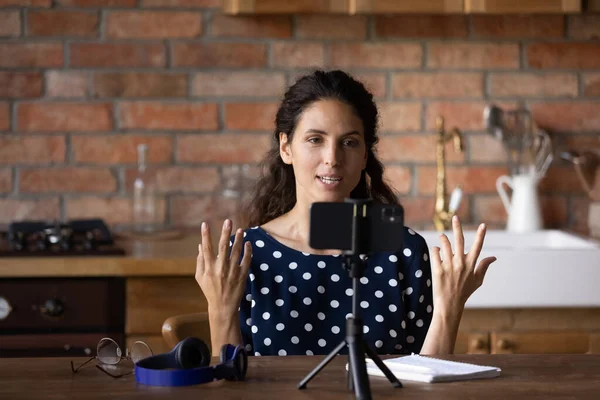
(315,371)
(388,374)
(360,379)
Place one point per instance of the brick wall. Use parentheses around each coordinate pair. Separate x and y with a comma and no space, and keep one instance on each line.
(83,81)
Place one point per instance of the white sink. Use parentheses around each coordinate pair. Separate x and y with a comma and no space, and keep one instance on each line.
(548,268)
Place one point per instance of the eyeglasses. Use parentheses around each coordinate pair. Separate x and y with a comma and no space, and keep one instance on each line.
(109,354)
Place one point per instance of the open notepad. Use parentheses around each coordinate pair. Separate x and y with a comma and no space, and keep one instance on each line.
(429,369)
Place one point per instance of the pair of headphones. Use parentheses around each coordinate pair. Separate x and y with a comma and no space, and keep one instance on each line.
(189,364)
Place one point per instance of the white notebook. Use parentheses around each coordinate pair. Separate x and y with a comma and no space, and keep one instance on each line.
(428,369)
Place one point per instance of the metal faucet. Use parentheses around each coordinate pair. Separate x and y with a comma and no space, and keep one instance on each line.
(444,210)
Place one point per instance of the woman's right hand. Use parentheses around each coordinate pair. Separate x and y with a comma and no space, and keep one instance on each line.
(221,277)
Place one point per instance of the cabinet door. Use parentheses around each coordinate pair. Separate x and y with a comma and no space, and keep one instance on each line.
(284,7)
(540,342)
(406,6)
(522,6)
(472,343)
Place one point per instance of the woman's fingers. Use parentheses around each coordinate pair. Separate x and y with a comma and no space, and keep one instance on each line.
(236,249)
(223,254)
(446,249)
(477,246)
(245,264)
(207,247)
(199,263)
(483,266)
(459,238)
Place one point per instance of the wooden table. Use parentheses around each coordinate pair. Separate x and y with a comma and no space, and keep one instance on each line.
(522,377)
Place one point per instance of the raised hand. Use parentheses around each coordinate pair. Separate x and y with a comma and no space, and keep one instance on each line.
(457,275)
(221,276)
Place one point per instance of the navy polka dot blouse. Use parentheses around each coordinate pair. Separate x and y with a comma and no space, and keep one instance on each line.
(297,303)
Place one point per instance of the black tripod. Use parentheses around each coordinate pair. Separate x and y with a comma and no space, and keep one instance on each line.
(358,379)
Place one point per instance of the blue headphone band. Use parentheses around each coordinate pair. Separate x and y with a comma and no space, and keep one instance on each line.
(188,364)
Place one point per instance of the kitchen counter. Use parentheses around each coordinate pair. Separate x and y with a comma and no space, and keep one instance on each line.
(174,257)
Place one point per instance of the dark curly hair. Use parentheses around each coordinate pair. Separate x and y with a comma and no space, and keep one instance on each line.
(275,191)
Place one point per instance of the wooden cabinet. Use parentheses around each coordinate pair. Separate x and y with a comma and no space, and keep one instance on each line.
(529,331)
(522,6)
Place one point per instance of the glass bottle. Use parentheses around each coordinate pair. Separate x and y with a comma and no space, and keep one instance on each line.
(144,196)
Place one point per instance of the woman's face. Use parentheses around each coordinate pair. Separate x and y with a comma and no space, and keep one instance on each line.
(328,152)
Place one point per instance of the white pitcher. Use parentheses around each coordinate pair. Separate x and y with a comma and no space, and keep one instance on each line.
(523,208)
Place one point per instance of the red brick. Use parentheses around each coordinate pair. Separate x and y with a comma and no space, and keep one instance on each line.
(376,55)
(413,148)
(567,116)
(32,149)
(97,3)
(584,26)
(118,55)
(419,210)
(474,179)
(555,211)
(525,84)
(242,55)
(26,3)
(374,82)
(181,179)
(256,26)
(465,115)
(250,116)
(157,115)
(113,210)
(561,179)
(222,148)
(79,24)
(34,55)
(61,117)
(139,84)
(591,84)
(399,117)
(243,83)
(581,142)
(153,24)
(6,183)
(10,23)
(67,179)
(399,178)
(66,84)
(473,55)
(120,149)
(421,26)
(191,210)
(181,3)
(490,210)
(518,26)
(20,84)
(4,117)
(319,26)
(486,149)
(573,55)
(46,208)
(298,54)
(441,84)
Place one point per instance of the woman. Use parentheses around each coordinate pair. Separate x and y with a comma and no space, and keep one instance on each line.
(278,296)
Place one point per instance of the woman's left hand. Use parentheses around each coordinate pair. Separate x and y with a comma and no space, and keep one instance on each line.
(457,275)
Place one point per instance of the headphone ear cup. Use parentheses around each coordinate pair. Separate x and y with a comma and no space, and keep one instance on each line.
(192,352)
(226,351)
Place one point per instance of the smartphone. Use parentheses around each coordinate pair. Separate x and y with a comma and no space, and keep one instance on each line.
(379,227)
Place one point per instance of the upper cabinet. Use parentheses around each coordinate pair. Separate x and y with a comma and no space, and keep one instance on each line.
(352,7)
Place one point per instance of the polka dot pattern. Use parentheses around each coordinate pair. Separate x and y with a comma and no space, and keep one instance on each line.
(297,303)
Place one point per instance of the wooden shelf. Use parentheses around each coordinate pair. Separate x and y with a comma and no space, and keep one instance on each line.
(236,7)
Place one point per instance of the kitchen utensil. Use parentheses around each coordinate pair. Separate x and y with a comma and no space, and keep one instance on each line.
(523,207)
(493,118)
(586,165)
